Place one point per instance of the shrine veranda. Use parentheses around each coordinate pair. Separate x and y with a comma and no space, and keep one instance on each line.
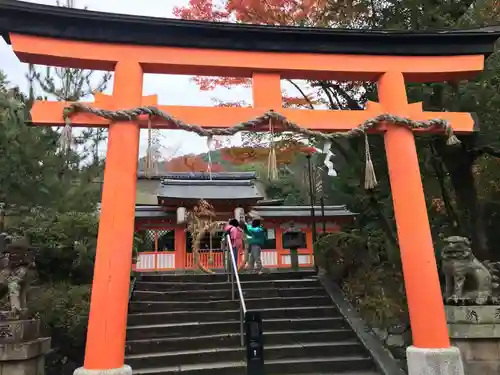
(131,46)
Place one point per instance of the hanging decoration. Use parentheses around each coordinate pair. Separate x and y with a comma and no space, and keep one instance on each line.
(272,164)
(210,144)
(285,125)
(66,137)
(149,168)
(370,178)
(239,213)
(181,215)
(328,156)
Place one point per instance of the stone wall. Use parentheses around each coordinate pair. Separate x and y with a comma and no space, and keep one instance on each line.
(475,330)
(396,338)
(22,349)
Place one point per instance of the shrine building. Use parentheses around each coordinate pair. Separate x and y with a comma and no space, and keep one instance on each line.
(166,245)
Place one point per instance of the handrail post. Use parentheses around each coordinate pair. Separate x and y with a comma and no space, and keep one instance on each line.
(242,333)
(228,263)
(254,343)
(233,297)
(254,353)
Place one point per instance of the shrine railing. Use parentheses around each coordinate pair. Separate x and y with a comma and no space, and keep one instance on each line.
(170,260)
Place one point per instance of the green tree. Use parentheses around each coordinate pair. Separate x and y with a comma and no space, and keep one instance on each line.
(455,188)
(456,170)
(28,155)
(72,85)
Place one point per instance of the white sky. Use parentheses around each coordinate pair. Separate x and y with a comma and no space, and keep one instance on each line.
(171,90)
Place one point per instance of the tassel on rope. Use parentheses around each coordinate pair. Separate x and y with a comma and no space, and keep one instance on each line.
(272,162)
(370,177)
(209,145)
(211,254)
(149,151)
(452,138)
(272,166)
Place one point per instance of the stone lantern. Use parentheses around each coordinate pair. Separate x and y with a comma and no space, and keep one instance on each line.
(293,239)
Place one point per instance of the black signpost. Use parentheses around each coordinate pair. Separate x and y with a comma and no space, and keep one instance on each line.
(254,343)
(293,239)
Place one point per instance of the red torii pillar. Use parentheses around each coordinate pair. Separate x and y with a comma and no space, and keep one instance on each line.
(108,315)
(423,291)
(110,287)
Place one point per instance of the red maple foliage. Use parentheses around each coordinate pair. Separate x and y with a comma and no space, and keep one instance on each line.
(322,13)
(266,12)
(191,163)
(210,83)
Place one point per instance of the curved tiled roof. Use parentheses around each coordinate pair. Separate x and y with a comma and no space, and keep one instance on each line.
(74,24)
(231,189)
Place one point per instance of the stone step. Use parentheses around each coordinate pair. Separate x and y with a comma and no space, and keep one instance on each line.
(255,284)
(190,324)
(237,354)
(252,303)
(220,294)
(222,277)
(208,328)
(222,315)
(301,365)
(224,340)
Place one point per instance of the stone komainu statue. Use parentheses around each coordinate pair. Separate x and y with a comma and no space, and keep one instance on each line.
(17,272)
(467,279)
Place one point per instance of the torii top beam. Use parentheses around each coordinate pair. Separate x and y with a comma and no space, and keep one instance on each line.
(59,36)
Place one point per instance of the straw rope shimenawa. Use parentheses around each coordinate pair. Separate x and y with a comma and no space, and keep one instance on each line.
(257,123)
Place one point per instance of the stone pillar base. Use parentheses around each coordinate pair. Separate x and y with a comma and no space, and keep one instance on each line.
(125,370)
(475,330)
(424,361)
(22,350)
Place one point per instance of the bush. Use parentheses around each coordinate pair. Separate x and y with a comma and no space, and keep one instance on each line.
(53,230)
(63,310)
(67,243)
(73,264)
(377,290)
(338,252)
(372,283)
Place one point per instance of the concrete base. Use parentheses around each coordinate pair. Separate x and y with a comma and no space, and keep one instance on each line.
(125,370)
(434,361)
(26,358)
(475,330)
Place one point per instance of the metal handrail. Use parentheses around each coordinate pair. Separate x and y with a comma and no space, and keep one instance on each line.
(233,274)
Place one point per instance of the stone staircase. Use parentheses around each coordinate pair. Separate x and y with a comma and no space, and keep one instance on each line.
(188,324)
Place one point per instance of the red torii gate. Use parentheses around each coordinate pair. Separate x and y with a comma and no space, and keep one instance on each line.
(131,46)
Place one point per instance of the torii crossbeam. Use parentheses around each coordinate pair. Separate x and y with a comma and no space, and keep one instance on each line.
(131,46)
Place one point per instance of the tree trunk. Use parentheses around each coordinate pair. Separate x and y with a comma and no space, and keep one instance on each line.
(392,252)
(437,166)
(459,163)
